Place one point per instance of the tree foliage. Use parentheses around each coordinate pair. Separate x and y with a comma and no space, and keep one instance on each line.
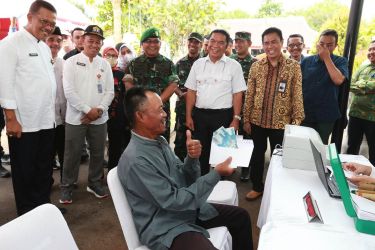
(234,14)
(319,13)
(270,8)
(175,18)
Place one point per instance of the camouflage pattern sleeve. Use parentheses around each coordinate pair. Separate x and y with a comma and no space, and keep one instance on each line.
(173,78)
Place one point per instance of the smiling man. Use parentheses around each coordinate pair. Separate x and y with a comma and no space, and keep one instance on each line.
(27,94)
(295,46)
(183,67)
(153,70)
(54,41)
(168,197)
(273,99)
(88,87)
(214,97)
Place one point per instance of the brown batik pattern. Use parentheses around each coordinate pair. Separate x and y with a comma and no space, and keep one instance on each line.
(265,105)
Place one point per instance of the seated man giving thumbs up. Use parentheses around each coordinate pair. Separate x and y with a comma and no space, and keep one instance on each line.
(168,197)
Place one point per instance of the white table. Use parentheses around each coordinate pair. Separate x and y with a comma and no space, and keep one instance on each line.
(283,220)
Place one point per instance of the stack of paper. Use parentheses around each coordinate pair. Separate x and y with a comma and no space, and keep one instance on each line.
(365,208)
(225,145)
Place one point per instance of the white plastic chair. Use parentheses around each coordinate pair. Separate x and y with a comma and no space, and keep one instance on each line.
(43,228)
(219,236)
(225,192)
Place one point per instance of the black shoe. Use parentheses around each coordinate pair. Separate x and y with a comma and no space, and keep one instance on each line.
(5,159)
(4,173)
(245,174)
(84,158)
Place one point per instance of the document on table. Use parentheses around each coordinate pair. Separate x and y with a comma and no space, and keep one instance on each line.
(355,158)
(365,208)
(240,155)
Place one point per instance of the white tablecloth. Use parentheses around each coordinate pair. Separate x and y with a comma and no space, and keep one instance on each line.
(283,220)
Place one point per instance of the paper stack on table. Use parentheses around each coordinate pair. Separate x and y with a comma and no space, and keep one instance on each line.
(365,208)
(226,143)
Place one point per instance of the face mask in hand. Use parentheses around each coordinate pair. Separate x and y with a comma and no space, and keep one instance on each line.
(112,61)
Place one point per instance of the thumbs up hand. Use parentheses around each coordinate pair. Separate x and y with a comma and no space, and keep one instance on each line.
(194,147)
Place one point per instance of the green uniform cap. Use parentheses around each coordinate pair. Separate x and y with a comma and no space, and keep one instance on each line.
(196,36)
(150,33)
(243,35)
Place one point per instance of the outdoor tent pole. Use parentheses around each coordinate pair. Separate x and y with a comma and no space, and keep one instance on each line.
(349,52)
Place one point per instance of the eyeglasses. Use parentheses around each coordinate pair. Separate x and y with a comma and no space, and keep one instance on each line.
(45,22)
(295,45)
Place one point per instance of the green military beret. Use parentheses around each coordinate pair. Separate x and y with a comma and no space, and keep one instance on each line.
(196,36)
(243,35)
(150,33)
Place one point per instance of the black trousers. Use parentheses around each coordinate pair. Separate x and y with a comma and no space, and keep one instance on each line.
(118,140)
(260,136)
(206,121)
(31,160)
(236,219)
(356,129)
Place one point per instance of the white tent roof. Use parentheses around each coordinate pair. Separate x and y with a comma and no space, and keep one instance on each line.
(68,15)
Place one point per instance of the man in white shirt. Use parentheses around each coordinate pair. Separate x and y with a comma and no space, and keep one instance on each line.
(88,87)
(27,94)
(54,41)
(214,98)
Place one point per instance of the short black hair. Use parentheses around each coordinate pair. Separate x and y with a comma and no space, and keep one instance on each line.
(223,32)
(293,36)
(134,99)
(38,4)
(272,30)
(76,28)
(330,32)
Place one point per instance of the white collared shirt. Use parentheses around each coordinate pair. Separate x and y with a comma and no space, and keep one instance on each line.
(215,83)
(60,105)
(27,81)
(87,85)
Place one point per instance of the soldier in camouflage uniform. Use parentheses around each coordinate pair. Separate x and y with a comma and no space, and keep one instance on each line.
(183,67)
(204,51)
(153,70)
(242,44)
(362,109)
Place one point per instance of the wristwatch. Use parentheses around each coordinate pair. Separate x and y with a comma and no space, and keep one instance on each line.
(100,112)
(237,117)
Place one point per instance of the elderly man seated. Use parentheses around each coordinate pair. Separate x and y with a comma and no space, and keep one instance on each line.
(168,197)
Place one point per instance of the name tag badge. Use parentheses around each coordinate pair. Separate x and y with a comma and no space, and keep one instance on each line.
(33,54)
(282,87)
(81,64)
(100,88)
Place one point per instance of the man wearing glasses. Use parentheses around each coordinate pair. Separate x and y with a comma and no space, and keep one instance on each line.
(27,94)
(153,70)
(322,74)
(214,97)
(295,46)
